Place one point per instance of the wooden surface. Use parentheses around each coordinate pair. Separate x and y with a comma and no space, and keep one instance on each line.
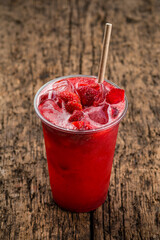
(41,40)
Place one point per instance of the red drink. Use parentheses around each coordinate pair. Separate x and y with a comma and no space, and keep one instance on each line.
(80,130)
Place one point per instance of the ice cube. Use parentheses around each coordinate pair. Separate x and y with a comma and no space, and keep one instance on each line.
(63,85)
(98,114)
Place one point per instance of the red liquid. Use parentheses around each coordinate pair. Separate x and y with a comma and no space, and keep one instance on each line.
(79,162)
(80,167)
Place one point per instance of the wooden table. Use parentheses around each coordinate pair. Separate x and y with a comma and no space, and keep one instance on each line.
(41,40)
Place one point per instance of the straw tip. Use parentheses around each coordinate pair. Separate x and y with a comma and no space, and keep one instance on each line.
(108,24)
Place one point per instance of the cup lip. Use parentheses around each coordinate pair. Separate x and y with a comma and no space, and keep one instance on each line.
(105,127)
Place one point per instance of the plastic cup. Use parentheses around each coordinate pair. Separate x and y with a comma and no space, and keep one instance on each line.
(79,162)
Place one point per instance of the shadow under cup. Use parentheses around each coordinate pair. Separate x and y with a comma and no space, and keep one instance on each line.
(79,162)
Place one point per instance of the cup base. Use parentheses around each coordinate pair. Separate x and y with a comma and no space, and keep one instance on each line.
(83,210)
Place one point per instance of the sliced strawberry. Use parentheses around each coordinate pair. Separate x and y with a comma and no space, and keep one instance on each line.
(69,96)
(88,95)
(95,86)
(78,124)
(76,116)
(82,125)
(114,112)
(115,95)
(73,105)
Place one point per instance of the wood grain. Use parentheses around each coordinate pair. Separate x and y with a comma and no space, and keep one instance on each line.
(41,40)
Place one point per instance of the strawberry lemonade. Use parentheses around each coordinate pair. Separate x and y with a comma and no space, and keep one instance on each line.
(80,119)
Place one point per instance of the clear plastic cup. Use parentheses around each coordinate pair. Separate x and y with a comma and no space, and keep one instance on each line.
(79,162)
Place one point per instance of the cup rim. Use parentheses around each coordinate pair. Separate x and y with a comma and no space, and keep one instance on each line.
(105,127)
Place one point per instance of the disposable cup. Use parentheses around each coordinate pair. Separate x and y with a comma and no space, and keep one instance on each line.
(79,162)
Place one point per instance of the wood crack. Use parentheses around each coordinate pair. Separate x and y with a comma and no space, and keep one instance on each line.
(91,225)
(70,30)
(109,214)
(123,215)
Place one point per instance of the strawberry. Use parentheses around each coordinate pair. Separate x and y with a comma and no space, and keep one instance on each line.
(73,105)
(114,112)
(78,124)
(67,96)
(95,86)
(115,95)
(88,95)
(76,116)
(82,125)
